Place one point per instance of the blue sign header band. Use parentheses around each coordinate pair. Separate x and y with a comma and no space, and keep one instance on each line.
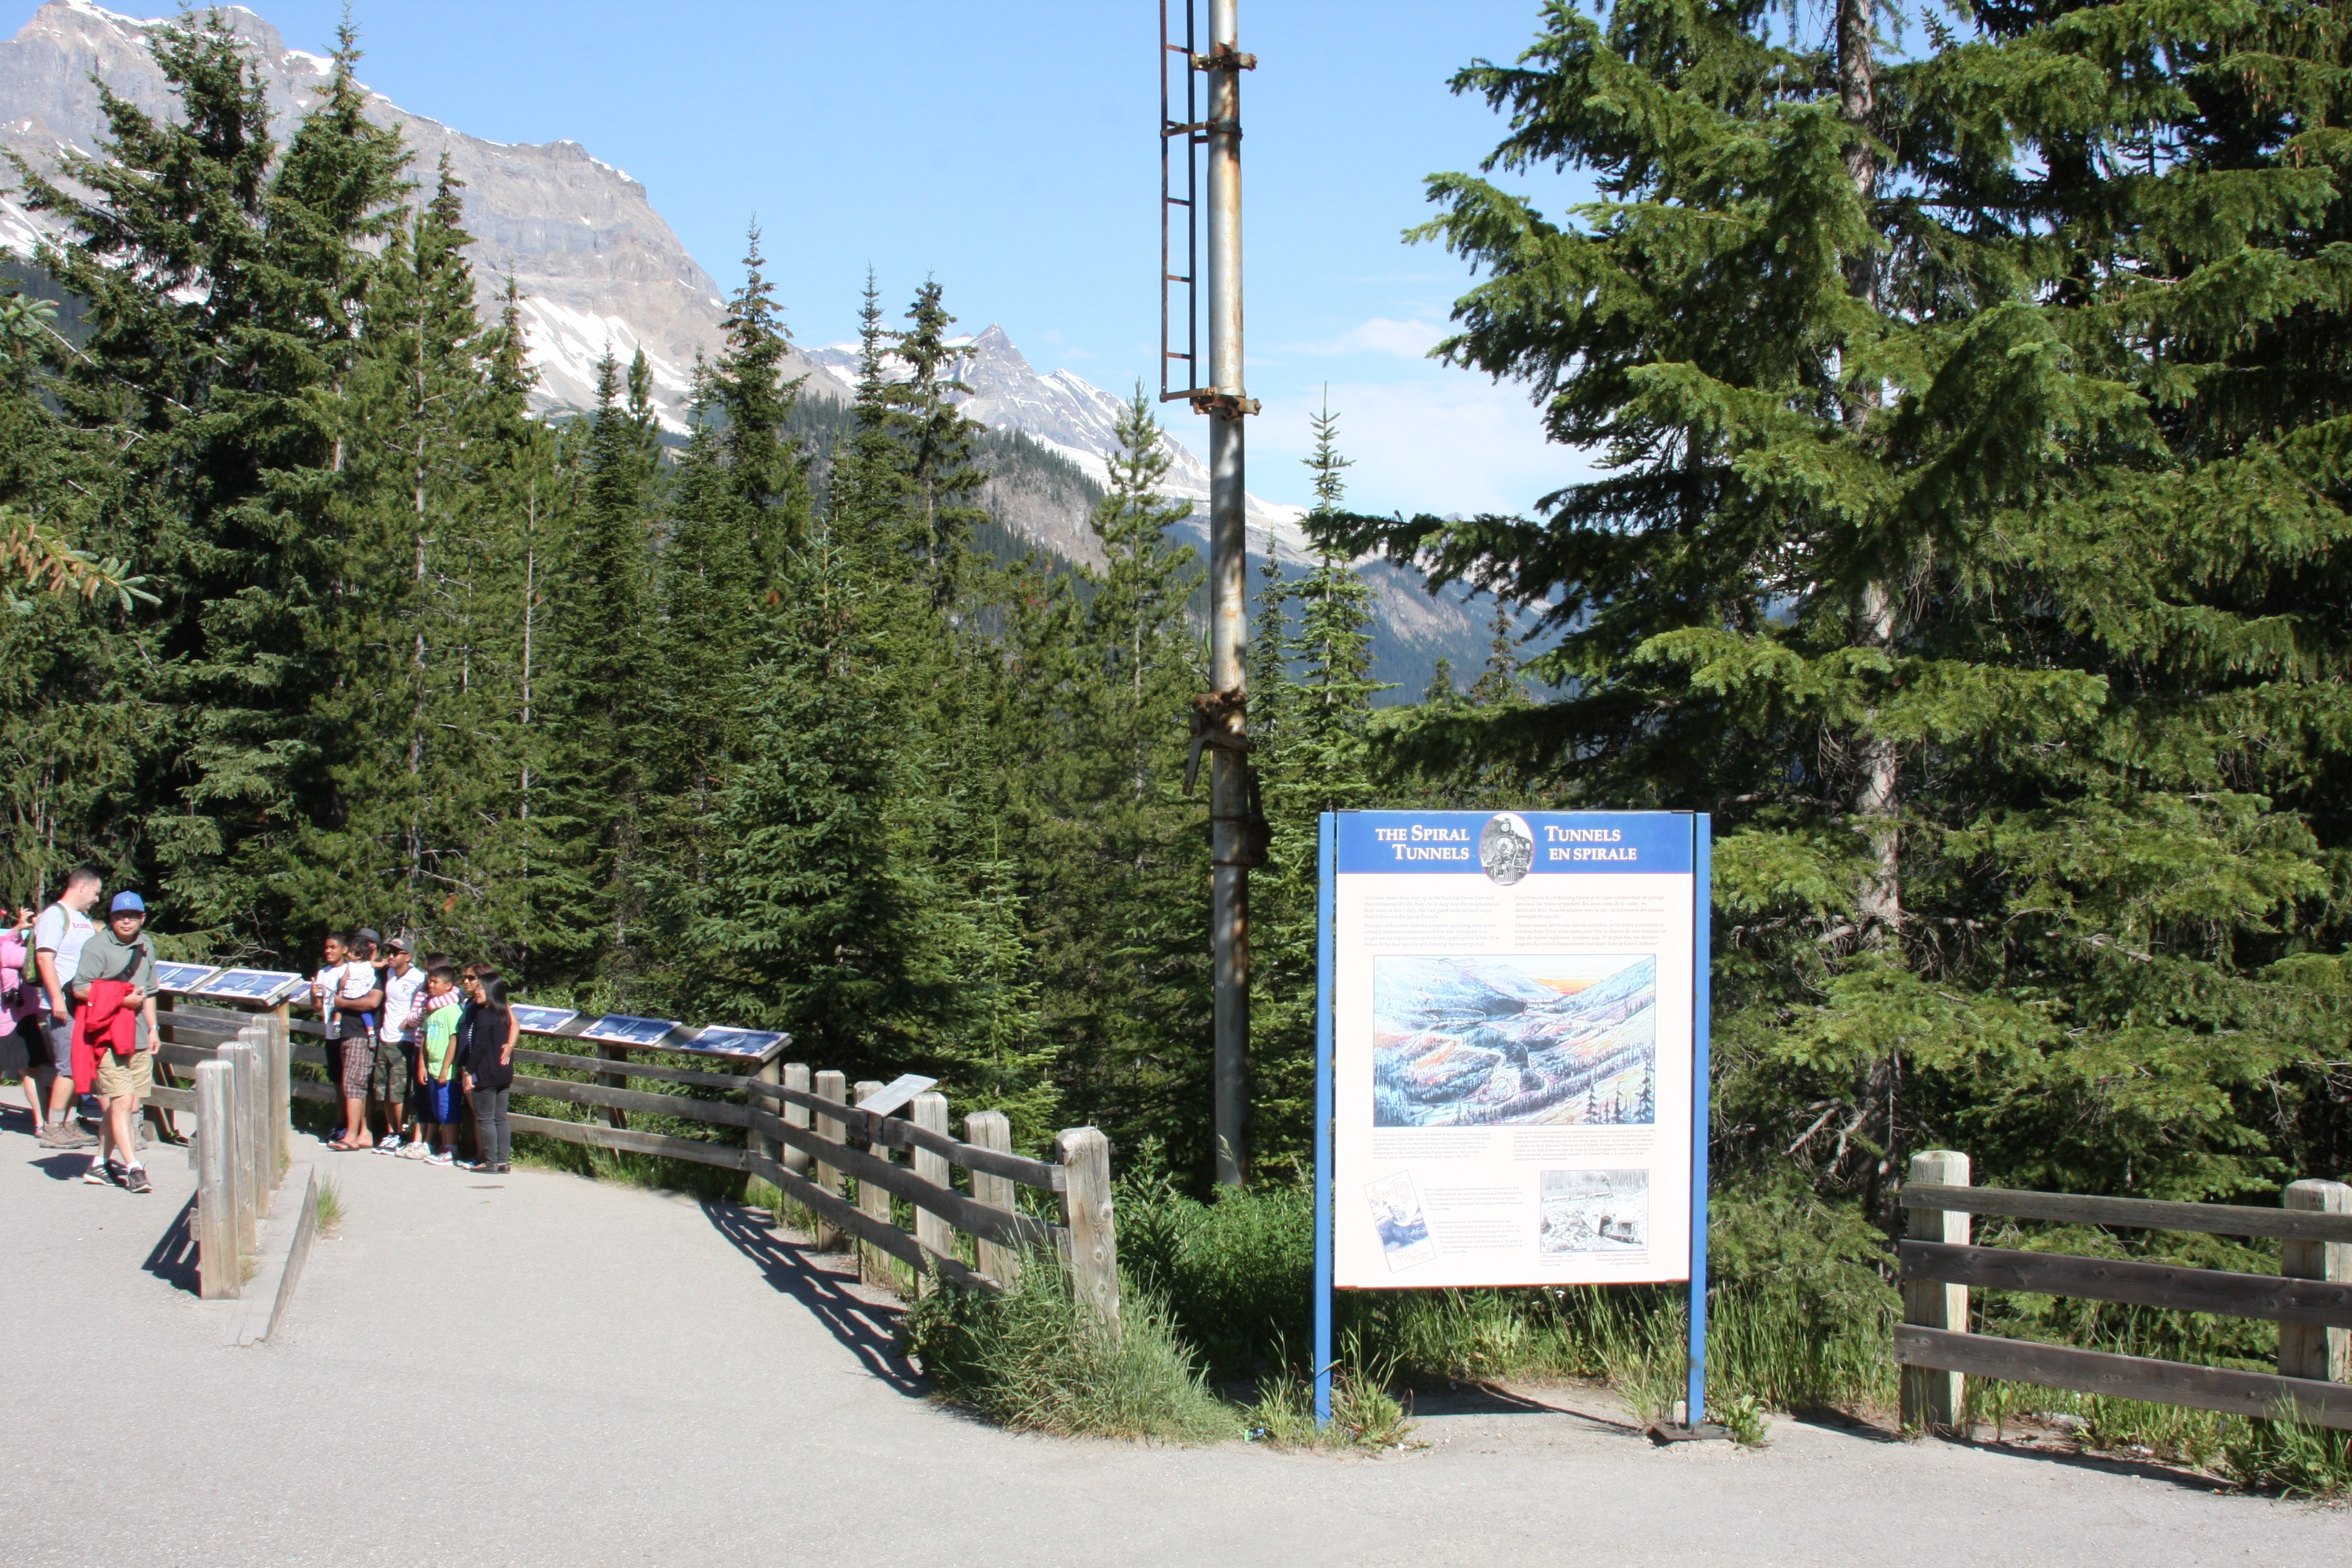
(1508,845)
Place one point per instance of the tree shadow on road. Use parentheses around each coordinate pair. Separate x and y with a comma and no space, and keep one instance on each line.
(866,1328)
(174,1261)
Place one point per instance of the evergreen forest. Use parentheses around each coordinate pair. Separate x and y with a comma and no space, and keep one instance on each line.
(1972,397)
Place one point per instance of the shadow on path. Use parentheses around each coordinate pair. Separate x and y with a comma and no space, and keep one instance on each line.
(174,1261)
(1489,1399)
(865,1329)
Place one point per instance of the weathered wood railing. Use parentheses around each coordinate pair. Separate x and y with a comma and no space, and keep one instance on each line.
(2310,1298)
(803,1134)
(240,1091)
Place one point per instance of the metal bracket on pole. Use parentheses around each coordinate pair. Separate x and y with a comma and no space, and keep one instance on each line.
(1224,58)
(1222,404)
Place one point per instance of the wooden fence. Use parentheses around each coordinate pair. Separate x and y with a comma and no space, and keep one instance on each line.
(2310,1298)
(801,1133)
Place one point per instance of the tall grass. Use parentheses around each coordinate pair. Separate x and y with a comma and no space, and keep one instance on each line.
(1804,1322)
(1036,1360)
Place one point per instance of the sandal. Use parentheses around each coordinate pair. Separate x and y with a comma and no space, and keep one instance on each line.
(340,1147)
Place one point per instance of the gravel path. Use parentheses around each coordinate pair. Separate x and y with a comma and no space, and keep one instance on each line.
(538,1368)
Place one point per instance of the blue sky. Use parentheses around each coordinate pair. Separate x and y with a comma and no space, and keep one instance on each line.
(1010,149)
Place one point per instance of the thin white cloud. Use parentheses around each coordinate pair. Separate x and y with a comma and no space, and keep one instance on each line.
(1443,441)
(1398,340)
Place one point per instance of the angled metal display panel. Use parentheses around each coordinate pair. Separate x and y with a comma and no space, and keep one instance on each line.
(624,1030)
(543,1020)
(266,986)
(183,978)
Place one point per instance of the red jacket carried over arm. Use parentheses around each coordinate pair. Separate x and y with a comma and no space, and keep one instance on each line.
(102,1023)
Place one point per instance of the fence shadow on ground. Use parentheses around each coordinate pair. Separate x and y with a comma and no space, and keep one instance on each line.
(173,1260)
(865,1329)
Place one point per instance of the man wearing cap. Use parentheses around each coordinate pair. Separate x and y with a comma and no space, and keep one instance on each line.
(395,1057)
(113,994)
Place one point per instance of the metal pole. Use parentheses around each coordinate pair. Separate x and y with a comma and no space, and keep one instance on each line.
(1702,994)
(1228,567)
(1327,879)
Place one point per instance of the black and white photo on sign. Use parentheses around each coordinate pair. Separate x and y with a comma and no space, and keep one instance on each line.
(1595,1211)
(1403,1228)
(1506,847)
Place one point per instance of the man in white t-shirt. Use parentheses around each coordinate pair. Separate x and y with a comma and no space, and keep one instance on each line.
(60,933)
(395,1055)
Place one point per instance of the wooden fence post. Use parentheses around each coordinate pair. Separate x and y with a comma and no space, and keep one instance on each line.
(796,1077)
(1087,1210)
(260,1156)
(236,1133)
(757,1191)
(832,1086)
(282,1091)
(220,1273)
(994,1130)
(873,1263)
(930,1111)
(613,1116)
(166,1132)
(1933,1399)
(2308,1349)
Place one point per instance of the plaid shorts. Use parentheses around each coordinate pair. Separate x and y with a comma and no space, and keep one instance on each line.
(359,1066)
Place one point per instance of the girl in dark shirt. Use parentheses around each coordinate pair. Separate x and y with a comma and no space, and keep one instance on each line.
(486,1052)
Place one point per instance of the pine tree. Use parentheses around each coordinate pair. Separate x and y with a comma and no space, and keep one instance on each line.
(600,659)
(1964,550)
(1313,740)
(222,288)
(417,709)
(1104,661)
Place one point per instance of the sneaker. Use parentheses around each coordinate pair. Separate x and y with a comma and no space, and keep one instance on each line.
(414,1151)
(65,1135)
(470,1165)
(136,1179)
(444,1158)
(501,1169)
(387,1144)
(100,1175)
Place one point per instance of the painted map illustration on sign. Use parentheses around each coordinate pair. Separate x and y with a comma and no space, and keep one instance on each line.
(1519,1041)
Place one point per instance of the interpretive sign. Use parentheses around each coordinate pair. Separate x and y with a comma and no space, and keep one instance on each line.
(183,977)
(543,1020)
(623,1029)
(896,1094)
(1512,1047)
(734,1042)
(267,986)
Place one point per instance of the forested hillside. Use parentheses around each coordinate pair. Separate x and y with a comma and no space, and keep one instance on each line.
(778,725)
(1973,547)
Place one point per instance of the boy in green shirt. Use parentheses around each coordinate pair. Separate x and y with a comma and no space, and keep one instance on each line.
(436,1065)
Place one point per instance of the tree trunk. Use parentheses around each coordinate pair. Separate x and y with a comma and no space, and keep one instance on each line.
(1878,903)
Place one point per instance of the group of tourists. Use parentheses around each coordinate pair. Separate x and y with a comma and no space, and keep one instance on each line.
(419,1048)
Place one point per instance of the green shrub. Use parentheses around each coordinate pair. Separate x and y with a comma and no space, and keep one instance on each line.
(1034,1359)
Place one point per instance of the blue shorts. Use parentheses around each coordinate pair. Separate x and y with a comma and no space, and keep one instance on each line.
(439,1101)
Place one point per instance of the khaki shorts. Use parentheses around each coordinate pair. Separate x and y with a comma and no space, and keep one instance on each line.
(117,1077)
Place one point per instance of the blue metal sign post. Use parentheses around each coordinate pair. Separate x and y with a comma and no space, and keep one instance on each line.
(1327,870)
(1629,841)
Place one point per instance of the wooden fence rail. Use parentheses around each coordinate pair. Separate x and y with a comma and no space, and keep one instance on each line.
(2310,1298)
(808,1142)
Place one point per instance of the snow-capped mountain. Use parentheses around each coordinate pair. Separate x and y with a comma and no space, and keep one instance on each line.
(592,259)
(596,266)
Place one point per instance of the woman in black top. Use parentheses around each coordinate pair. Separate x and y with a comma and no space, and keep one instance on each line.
(485,1054)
